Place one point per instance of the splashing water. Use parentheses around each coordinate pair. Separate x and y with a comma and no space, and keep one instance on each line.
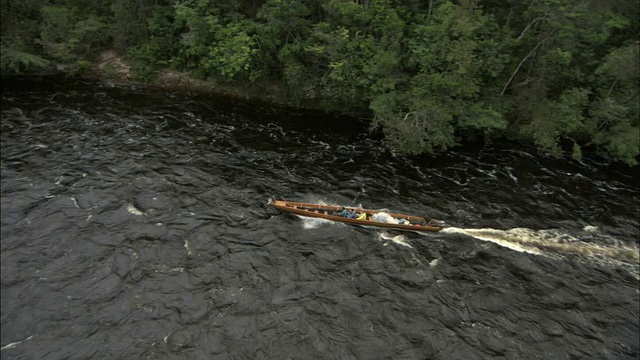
(397,239)
(314,223)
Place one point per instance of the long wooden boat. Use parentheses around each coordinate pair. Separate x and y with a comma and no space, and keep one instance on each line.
(332,212)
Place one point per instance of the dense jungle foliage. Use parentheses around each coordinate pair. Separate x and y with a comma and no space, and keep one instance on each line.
(561,74)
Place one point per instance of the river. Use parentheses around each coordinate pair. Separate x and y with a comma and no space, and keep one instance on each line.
(136,225)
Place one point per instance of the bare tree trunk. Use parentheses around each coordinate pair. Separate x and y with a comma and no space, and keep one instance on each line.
(522,62)
(535,21)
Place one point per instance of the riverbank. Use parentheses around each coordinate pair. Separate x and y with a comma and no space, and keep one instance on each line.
(113,68)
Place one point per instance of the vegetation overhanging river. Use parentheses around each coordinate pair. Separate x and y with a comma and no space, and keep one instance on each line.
(136,224)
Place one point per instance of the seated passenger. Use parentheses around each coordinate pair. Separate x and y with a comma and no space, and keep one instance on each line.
(362,216)
(352,214)
(344,212)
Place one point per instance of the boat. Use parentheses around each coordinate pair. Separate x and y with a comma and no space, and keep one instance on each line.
(376,218)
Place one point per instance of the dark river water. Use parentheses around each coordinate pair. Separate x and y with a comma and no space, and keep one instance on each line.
(136,225)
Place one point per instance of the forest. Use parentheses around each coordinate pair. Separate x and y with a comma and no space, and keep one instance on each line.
(561,75)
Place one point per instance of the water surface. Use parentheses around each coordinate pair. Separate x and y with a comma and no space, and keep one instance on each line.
(136,224)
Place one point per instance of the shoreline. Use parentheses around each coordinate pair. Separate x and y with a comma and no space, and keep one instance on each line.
(112,68)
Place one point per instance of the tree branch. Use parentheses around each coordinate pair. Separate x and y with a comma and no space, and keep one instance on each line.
(613,86)
(522,62)
(535,21)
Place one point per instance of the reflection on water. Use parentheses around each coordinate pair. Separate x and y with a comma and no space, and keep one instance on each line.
(136,224)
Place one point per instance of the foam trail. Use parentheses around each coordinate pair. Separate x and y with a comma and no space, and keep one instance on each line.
(500,237)
(14,344)
(547,242)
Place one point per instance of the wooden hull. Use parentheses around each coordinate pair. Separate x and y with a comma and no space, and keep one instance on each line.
(418,223)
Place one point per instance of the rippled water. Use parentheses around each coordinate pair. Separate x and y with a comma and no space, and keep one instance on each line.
(136,224)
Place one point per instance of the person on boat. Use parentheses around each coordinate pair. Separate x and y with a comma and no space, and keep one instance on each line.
(362,216)
(344,212)
(352,214)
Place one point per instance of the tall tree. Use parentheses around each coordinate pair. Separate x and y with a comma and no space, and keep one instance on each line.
(452,51)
